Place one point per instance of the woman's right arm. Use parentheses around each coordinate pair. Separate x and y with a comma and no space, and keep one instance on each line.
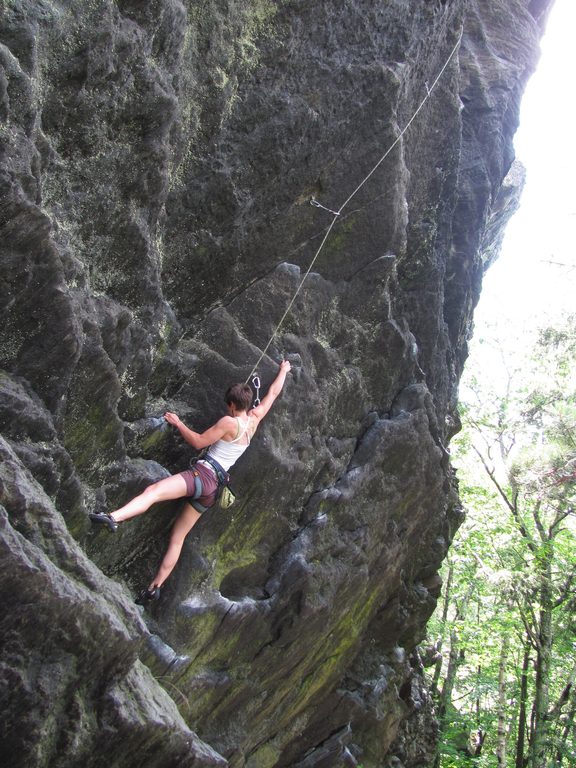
(275,388)
(225,426)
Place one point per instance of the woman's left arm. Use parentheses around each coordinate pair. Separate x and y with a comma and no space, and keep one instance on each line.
(200,440)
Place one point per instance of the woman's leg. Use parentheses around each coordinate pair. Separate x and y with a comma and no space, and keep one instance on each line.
(183,525)
(173,487)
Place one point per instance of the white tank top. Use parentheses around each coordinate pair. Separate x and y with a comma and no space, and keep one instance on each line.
(227,452)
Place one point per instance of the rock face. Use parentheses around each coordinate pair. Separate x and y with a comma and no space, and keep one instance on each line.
(158,160)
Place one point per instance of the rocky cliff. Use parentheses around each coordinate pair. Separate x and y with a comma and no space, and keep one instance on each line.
(157,164)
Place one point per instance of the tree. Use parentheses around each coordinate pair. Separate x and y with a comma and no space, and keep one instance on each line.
(517,459)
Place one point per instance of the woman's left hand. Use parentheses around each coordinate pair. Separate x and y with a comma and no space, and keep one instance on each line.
(172,418)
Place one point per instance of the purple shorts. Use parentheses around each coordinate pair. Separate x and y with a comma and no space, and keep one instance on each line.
(209,482)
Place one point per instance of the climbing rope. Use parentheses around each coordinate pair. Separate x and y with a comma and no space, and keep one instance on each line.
(336,214)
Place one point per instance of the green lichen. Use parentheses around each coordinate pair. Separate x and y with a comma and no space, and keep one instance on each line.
(150,444)
(401,509)
(91,439)
(239,545)
(265,757)
(340,641)
(204,641)
(336,251)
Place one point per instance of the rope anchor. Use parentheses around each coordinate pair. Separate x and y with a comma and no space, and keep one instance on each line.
(316,204)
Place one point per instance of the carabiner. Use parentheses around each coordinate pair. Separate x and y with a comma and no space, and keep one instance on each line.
(256,385)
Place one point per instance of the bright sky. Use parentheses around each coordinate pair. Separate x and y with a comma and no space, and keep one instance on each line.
(521,288)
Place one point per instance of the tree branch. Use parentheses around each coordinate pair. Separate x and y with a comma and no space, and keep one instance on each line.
(512,506)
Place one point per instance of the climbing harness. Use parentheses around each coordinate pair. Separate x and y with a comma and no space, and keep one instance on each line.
(336,214)
(225,496)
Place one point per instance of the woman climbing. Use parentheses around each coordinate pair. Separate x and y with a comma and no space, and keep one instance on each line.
(226,441)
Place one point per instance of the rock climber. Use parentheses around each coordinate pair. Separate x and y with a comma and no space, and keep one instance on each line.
(226,442)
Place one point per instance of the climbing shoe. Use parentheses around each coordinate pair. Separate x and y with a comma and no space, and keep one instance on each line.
(103,518)
(148,596)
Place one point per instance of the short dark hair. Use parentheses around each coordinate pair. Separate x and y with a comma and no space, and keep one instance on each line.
(239,395)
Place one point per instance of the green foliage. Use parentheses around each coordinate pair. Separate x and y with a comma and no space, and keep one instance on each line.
(511,573)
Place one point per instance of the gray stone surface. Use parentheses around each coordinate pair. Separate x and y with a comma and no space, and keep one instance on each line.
(157,162)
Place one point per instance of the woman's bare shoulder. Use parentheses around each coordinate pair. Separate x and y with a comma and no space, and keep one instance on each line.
(227,421)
